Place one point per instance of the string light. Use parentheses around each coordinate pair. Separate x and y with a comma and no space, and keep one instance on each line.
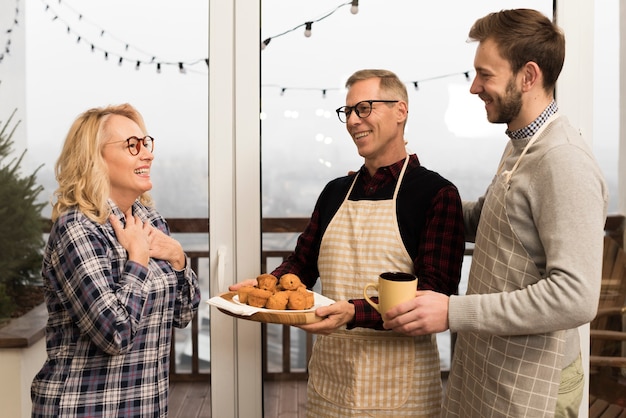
(308,24)
(307,30)
(128,48)
(414,83)
(9,32)
(354,9)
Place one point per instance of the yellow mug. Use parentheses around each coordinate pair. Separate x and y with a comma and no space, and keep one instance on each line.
(393,287)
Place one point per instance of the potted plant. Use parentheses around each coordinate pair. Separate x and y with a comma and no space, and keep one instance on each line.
(21,231)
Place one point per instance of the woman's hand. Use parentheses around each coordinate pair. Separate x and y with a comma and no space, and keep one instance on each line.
(134,237)
(164,247)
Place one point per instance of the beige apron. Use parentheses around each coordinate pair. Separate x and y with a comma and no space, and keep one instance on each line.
(503,376)
(364,372)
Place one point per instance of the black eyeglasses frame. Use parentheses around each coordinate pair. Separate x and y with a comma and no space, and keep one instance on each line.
(347,110)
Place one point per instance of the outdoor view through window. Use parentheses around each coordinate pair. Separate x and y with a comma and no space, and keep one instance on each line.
(304,145)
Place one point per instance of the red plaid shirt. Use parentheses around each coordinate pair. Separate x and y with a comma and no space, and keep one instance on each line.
(430,218)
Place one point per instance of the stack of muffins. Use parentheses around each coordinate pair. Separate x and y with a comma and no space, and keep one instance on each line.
(288,293)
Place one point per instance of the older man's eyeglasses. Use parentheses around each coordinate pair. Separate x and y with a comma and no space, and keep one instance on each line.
(134,144)
(362,109)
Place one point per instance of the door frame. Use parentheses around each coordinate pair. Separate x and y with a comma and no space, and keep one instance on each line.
(234,200)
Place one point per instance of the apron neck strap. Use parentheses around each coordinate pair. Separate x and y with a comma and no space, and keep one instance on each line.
(509,173)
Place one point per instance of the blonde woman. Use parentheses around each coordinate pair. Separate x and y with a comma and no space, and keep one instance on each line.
(115,281)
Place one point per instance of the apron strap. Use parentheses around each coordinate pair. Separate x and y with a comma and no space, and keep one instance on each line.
(509,173)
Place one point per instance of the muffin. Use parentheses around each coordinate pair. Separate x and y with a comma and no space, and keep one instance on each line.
(290,281)
(243,292)
(309,297)
(278,300)
(258,297)
(297,300)
(267,282)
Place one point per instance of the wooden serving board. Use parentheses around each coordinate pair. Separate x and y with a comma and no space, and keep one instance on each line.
(273,317)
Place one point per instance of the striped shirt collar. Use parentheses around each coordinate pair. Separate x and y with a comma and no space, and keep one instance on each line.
(531,129)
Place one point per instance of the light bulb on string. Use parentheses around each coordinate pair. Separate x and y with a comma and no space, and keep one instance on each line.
(181,69)
(354,9)
(137,66)
(307,29)
(467,77)
(120,61)
(158,68)
(265,43)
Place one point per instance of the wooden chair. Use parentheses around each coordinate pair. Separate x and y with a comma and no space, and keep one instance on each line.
(607,332)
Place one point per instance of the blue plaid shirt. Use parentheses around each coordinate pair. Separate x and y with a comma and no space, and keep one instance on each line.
(110,322)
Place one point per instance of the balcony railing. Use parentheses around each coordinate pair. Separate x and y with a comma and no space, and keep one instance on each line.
(276,366)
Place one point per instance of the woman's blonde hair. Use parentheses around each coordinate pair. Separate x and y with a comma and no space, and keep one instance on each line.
(81,171)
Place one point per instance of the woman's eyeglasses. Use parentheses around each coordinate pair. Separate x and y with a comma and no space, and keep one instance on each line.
(135,143)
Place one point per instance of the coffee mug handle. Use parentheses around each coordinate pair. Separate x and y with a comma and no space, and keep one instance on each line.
(367,298)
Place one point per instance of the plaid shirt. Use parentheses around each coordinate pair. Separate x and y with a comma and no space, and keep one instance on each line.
(110,322)
(430,219)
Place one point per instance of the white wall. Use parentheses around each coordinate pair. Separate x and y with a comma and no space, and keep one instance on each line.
(18,368)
